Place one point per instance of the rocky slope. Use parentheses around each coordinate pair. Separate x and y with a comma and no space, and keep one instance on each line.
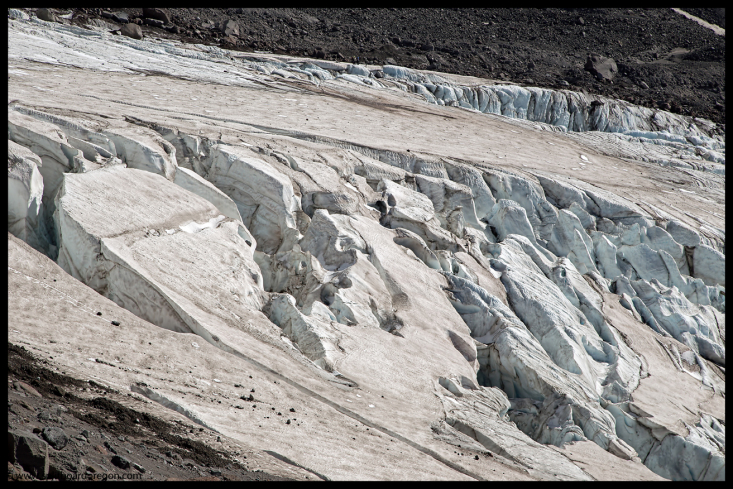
(663,60)
(367,271)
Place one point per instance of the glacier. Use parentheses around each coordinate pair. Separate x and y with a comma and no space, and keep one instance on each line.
(509,305)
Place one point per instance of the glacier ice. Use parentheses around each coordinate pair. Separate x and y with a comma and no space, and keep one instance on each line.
(504,277)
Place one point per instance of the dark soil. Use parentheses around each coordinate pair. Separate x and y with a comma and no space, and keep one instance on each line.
(99,429)
(664,60)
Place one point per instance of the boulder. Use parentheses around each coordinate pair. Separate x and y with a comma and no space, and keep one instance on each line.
(156,13)
(120,462)
(230,28)
(132,30)
(29,451)
(55,437)
(153,22)
(46,14)
(601,67)
(121,17)
(26,389)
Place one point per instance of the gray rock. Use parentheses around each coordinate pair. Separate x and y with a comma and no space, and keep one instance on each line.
(44,415)
(46,14)
(121,17)
(156,13)
(601,67)
(230,28)
(23,387)
(120,462)
(132,30)
(55,437)
(29,451)
(154,22)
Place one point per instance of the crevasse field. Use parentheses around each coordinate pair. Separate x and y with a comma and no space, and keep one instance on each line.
(451,278)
